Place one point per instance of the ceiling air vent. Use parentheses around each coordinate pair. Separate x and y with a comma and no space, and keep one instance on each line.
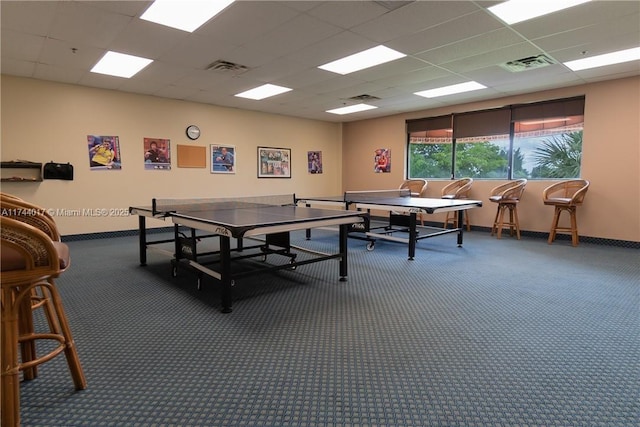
(529,63)
(227,67)
(364,97)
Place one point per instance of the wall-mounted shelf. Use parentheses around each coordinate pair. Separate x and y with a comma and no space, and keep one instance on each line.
(21,171)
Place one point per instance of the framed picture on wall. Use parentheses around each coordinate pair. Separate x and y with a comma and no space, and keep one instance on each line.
(274,162)
(104,152)
(382,160)
(223,159)
(157,153)
(314,162)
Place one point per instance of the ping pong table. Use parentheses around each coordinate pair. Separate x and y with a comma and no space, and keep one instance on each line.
(403,210)
(266,219)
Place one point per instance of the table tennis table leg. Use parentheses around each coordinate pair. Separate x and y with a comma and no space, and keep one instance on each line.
(142,239)
(413,235)
(225,273)
(344,234)
(460,226)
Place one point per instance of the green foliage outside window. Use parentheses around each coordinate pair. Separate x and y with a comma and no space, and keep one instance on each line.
(555,156)
(559,156)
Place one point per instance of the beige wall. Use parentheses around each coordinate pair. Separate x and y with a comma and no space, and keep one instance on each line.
(610,160)
(44,121)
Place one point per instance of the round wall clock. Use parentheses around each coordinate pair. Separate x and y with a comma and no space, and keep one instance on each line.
(193,132)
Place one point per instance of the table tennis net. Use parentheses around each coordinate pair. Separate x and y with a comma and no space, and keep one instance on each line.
(360,196)
(164,206)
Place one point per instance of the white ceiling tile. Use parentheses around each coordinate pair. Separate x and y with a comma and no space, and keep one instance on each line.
(32,17)
(244,21)
(16,67)
(61,53)
(59,74)
(472,46)
(307,31)
(195,52)
(79,22)
(413,18)
(21,46)
(347,14)
(331,48)
(447,33)
(146,39)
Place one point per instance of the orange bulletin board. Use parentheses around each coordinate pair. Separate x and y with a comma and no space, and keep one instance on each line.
(192,156)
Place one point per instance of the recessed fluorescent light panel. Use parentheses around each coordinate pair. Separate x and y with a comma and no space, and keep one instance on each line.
(262,92)
(514,11)
(605,59)
(450,90)
(185,15)
(120,64)
(351,109)
(361,60)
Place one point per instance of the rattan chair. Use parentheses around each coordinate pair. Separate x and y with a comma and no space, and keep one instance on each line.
(30,260)
(418,188)
(565,196)
(507,196)
(21,210)
(458,189)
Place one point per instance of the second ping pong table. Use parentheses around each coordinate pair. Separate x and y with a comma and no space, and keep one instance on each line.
(269,219)
(403,211)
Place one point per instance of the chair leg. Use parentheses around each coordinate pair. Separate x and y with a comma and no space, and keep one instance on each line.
(501,220)
(28,347)
(554,225)
(466,216)
(73,361)
(574,227)
(515,220)
(10,372)
(494,228)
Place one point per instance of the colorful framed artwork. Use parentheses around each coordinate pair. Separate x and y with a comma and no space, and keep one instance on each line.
(104,152)
(314,162)
(274,162)
(223,159)
(382,160)
(157,154)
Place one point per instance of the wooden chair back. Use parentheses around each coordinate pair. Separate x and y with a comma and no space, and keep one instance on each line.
(29,213)
(570,192)
(458,189)
(508,192)
(416,186)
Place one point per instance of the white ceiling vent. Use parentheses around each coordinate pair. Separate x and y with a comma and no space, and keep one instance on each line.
(227,67)
(529,63)
(364,97)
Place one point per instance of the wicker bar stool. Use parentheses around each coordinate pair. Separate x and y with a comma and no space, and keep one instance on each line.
(21,210)
(30,259)
(565,196)
(507,196)
(458,189)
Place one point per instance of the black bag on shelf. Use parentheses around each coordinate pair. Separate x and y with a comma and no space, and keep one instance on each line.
(53,170)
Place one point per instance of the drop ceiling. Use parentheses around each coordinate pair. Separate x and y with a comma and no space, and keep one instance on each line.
(284,42)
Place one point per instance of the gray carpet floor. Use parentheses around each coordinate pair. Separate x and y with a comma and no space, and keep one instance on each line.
(495,333)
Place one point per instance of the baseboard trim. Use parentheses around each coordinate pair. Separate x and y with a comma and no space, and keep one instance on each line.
(534,234)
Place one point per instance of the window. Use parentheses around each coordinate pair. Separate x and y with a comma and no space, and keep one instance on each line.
(547,138)
(534,141)
(482,144)
(430,148)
